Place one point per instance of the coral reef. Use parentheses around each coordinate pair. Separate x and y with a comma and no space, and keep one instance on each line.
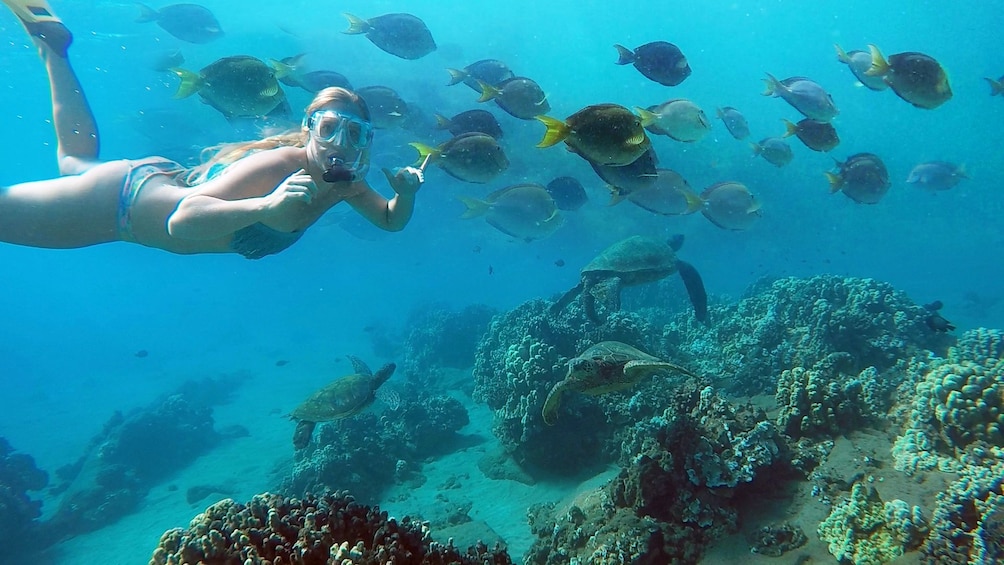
(22,535)
(824,401)
(367,453)
(865,531)
(683,475)
(957,406)
(775,541)
(967,525)
(438,337)
(793,322)
(331,529)
(121,463)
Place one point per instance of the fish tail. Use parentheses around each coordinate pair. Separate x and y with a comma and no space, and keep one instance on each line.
(442,122)
(836,182)
(488,92)
(961,171)
(625,56)
(719,113)
(357,25)
(842,55)
(457,76)
(146,14)
(879,65)
(996,86)
(647,118)
(790,128)
(190,82)
(757,149)
(475,207)
(557,131)
(771,85)
(694,202)
(424,151)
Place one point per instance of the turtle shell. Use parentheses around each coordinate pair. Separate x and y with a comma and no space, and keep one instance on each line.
(340,399)
(636,259)
(601,368)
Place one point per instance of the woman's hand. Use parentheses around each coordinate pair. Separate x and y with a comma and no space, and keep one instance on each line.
(297,187)
(405,181)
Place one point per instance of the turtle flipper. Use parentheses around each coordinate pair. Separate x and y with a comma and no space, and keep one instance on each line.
(695,289)
(301,436)
(359,366)
(566,298)
(551,403)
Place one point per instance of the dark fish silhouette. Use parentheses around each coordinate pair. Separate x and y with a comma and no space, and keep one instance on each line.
(470,157)
(387,108)
(520,97)
(816,135)
(660,61)
(734,121)
(481,121)
(567,193)
(188,22)
(488,71)
(603,134)
(915,77)
(239,87)
(935,320)
(403,35)
(862,177)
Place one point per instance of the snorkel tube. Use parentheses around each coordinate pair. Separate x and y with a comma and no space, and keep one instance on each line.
(338,170)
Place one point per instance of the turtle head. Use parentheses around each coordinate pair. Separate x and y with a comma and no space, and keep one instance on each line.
(582,367)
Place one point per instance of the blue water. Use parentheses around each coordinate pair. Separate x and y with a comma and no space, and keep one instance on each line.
(73,320)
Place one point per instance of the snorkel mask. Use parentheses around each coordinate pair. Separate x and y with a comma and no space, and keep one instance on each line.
(345,138)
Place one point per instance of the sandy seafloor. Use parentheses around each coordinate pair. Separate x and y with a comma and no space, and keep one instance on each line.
(250,465)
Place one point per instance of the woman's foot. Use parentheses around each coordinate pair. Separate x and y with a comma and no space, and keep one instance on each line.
(42,23)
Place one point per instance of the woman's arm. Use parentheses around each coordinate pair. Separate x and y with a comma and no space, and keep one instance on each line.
(201,216)
(393,214)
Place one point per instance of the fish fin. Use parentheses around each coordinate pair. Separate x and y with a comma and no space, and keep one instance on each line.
(647,117)
(879,65)
(616,195)
(836,182)
(488,92)
(756,148)
(475,207)
(842,55)
(269,91)
(996,86)
(625,56)
(425,151)
(442,122)
(771,85)
(557,131)
(457,76)
(190,82)
(694,202)
(695,289)
(357,25)
(281,69)
(146,14)
(790,128)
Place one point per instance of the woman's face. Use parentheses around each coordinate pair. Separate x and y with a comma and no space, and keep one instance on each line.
(339,141)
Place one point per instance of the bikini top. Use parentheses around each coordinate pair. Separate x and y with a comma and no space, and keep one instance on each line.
(258,240)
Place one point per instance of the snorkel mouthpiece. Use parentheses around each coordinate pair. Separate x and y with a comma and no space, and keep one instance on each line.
(339,171)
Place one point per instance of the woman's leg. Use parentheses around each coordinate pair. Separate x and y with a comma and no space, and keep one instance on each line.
(76,131)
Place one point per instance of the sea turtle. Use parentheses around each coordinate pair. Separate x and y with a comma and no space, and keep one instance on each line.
(605,367)
(341,398)
(635,260)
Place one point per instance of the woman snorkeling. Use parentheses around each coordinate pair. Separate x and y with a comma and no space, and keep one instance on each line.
(254,198)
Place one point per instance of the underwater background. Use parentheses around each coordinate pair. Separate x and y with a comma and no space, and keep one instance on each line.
(90,332)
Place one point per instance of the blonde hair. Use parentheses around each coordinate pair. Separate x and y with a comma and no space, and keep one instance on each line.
(228,153)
